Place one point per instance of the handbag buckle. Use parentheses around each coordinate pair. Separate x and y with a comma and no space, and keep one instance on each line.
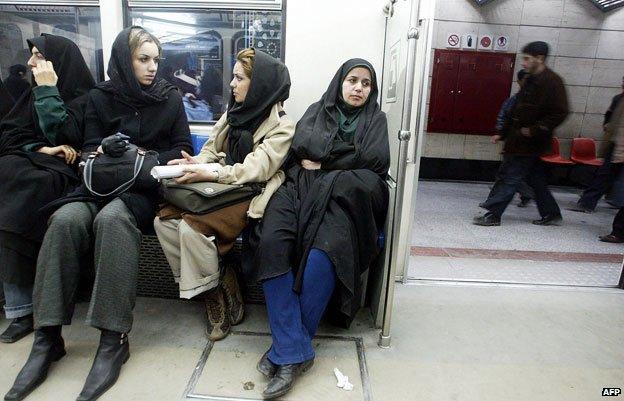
(141,152)
(93,155)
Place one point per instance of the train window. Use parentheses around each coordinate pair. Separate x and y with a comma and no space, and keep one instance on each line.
(200,46)
(21,22)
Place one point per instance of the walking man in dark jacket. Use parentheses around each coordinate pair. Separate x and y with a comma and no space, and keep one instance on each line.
(541,106)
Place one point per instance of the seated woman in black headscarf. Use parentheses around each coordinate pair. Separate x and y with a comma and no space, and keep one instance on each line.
(320,229)
(250,143)
(149,113)
(38,138)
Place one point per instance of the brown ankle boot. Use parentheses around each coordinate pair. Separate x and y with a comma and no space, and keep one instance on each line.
(233,297)
(216,311)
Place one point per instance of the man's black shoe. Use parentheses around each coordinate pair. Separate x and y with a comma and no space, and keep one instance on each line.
(488,219)
(550,220)
(266,367)
(48,347)
(284,379)
(612,238)
(112,353)
(18,329)
(524,202)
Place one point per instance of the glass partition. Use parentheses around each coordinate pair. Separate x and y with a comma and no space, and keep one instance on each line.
(21,22)
(199,50)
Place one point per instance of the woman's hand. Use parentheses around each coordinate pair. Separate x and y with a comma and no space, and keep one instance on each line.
(197,174)
(44,73)
(310,165)
(63,151)
(187,159)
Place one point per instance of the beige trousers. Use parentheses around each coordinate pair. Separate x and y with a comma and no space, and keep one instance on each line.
(192,256)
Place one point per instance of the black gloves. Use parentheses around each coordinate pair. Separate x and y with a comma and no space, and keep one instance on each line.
(115,145)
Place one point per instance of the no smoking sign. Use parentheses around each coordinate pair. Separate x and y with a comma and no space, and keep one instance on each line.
(452,40)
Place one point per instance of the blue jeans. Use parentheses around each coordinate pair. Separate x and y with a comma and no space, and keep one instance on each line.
(294,317)
(18,300)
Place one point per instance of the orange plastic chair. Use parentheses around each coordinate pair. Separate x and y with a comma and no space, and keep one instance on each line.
(584,152)
(554,157)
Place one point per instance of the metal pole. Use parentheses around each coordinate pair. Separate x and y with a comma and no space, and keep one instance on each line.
(404,137)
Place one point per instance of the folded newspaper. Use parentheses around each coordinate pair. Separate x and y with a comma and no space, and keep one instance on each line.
(177,170)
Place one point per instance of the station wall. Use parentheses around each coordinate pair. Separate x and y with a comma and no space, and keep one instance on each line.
(587,50)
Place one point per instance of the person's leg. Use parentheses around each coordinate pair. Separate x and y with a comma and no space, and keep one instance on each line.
(18,300)
(65,245)
(538,180)
(291,341)
(116,257)
(18,306)
(319,281)
(618,224)
(601,182)
(167,233)
(512,173)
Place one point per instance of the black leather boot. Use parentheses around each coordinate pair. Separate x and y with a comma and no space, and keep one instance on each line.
(284,379)
(18,329)
(112,353)
(48,347)
(266,367)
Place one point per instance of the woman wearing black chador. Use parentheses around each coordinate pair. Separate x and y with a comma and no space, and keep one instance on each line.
(149,113)
(320,229)
(38,142)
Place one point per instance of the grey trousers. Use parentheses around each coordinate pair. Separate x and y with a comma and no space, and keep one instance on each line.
(75,230)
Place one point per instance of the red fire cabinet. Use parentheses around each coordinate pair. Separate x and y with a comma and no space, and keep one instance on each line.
(468,89)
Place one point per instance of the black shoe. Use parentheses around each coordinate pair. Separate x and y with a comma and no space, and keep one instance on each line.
(580,208)
(48,347)
(284,379)
(614,239)
(488,219)
(112,353)
(18,329)
(266,367)
(524,202)
(550,220)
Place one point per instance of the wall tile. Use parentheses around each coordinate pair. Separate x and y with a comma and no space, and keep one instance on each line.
(610,45)
(599,99)
(434,145)
(571,127)
(592,126)
(479,147)
(565,145)
(510,31)
(529,34)
(542,12)
(614,20)
(574,71)
(581,14)
(503,12)
(577,98)
(608,73)
(454,146)
(578,43)
(458,10)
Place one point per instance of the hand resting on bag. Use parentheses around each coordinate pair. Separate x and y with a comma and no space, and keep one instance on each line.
(197,174)
(115,145)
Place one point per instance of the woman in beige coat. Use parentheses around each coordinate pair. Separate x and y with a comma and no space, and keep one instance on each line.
(249,142)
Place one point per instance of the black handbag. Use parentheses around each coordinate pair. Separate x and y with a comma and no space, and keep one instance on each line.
(104,175)
(206,197)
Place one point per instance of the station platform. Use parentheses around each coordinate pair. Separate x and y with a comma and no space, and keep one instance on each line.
(447,246)
(449,342)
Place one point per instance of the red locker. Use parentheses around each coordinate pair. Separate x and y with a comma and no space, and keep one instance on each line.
(467,90)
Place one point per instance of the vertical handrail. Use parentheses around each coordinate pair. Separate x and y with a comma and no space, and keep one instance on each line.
(404,135)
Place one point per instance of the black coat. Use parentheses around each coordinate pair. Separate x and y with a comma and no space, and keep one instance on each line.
(541,105)
(340,208)
(6,101)
(30,180)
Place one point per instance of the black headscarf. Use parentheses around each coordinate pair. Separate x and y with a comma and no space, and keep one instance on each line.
(21,127)
(270,84)
(122,81)
(317,129)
